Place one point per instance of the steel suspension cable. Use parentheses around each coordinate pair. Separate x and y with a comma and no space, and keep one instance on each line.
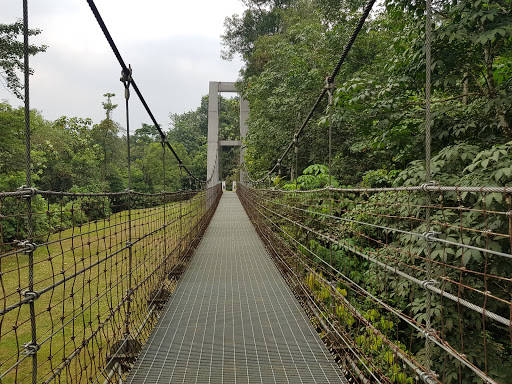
(125,79)
(32,347)
(126,70)
(428,123)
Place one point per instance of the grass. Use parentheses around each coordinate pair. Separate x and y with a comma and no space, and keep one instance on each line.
(89,310)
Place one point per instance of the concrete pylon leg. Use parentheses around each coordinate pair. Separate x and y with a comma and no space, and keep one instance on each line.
(244,115)
(213,156)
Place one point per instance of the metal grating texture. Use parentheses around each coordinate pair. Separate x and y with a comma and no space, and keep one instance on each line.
(233,319)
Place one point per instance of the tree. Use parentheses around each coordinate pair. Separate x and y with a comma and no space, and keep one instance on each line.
(472,56)
(378,117)
(146,134)
(76,158)
(11,55)
(191,130)
(108,106)
(261,18)
(104,136)
(12,149)
(379,132)
(291,73)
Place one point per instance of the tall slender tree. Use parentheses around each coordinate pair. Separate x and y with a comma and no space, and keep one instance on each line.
(11,55)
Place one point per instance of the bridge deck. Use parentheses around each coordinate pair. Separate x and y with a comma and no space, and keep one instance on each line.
(232,318)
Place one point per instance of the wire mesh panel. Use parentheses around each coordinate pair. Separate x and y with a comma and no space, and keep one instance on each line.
(360,260)
(103,266)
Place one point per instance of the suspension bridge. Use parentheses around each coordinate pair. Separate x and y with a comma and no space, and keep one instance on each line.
(359,285)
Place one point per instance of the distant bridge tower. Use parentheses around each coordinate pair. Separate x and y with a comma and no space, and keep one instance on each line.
(214,144)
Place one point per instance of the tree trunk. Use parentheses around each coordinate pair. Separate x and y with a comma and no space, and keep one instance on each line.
(465,89)
(500,112)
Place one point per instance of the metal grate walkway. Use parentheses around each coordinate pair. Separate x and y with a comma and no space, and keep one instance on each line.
(232,318)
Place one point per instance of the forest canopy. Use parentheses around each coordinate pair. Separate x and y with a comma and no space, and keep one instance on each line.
(74,154)
(289,47)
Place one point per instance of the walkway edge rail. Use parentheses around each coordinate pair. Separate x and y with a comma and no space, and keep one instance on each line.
(80,246)
(368,290)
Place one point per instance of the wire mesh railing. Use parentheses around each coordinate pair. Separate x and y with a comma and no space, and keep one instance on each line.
(102,267)
(357,260)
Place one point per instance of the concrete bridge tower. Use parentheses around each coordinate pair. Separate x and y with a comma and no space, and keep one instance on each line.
(214,144)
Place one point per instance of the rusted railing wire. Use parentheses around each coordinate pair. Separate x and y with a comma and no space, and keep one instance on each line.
(84,277)
(357,260)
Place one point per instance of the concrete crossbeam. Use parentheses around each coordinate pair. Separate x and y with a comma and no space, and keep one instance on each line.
(225,86)
(230,143)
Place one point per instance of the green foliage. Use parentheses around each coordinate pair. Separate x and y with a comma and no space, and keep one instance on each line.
(11,55)
(371,340)
(191,130)
(465,165)
(286,74)
(74,154)
(315,176)
(378,115)
(261,18)
(12,127)
(379,178)
(378,126)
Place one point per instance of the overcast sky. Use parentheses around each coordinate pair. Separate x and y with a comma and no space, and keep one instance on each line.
(173,48)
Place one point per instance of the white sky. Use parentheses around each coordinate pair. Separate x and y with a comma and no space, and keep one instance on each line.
(173,48)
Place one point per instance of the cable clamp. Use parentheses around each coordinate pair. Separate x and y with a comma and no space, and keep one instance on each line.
(29,191)
(424,376)
(129,244)
(29,246)
(428,335)
(429,236)
(427,377)
(330,87)
(31,295)
(426,283)
(424,187)
(129,294)
(30,349)
(126,78)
